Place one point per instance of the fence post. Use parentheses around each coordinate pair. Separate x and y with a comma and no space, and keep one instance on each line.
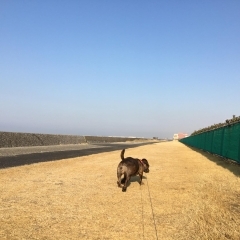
(222,138)
(211,149)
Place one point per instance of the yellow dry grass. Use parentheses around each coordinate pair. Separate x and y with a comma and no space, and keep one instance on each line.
(186,195)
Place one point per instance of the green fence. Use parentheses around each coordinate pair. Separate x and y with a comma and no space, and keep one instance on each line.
(224,141)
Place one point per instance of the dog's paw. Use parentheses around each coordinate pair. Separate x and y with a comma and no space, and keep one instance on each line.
(119,184)
(124,189)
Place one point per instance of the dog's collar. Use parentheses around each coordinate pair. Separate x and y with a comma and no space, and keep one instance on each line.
(141,161)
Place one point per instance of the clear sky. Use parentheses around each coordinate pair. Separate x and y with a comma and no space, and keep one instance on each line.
(118,68)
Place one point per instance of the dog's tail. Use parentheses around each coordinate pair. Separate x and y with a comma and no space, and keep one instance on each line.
(122,154)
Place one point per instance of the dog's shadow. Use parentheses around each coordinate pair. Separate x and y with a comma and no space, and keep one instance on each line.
(134,179)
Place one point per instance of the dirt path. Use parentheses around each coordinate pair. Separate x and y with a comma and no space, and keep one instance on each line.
(186,195)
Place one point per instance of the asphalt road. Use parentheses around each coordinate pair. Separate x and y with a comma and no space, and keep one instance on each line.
(18,156)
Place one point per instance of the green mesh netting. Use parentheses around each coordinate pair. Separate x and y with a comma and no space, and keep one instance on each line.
(223,141)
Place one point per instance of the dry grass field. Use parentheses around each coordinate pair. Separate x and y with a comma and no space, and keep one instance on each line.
(187,195)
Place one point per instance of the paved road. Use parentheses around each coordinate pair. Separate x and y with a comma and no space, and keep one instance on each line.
(17,156)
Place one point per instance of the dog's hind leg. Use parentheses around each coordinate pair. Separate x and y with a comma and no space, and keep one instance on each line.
(127,178)
(119,174)
(124,178)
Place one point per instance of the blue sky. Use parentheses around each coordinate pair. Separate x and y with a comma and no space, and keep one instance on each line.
(118,68)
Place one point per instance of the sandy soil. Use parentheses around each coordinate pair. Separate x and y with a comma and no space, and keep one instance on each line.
(187,195)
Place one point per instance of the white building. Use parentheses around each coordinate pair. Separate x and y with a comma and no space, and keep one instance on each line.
(178,136)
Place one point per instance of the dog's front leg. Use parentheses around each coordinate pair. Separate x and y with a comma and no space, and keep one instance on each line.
(140,176)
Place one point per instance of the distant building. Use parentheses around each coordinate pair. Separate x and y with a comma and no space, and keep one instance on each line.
(175,136)
(178,136)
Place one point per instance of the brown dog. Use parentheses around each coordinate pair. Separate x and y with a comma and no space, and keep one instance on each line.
(130,167)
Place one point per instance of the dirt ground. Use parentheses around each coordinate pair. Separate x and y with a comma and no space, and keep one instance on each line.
(188,194)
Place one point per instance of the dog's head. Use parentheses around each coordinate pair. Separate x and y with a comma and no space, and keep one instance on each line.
(145,165)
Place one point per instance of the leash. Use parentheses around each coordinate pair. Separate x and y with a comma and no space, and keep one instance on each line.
(152,211)
(142,202)
(142,213)
(151,207)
